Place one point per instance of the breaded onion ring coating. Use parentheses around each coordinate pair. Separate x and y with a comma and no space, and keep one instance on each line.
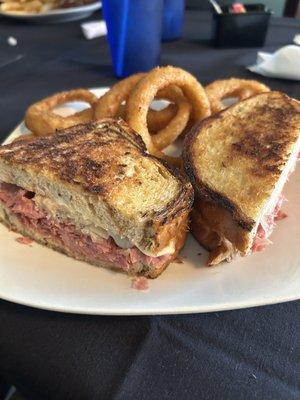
(233,87)
(145,91)
(110,105)
(41,120)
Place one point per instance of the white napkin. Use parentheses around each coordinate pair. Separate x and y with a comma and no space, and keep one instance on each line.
(297,39)
(284,63)
(94,29)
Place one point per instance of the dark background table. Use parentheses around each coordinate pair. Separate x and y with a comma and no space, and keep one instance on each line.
(244,354)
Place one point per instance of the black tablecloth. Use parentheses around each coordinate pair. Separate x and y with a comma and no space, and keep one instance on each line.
(245,354)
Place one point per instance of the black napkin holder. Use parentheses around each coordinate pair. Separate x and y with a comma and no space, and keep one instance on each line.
(247,29)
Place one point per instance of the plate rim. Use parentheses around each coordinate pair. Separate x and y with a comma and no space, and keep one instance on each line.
(126,312)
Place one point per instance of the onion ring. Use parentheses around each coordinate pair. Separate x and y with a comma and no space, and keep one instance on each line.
(110,104)
(171,125)
(176,126)
(233,87)
(156,119)
(41,120)
(159,119)
(145,91)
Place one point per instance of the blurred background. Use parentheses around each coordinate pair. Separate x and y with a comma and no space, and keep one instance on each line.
(289,8)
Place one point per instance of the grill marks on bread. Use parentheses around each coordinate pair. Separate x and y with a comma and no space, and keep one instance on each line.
(266,143)
(84,154)
(107,158)
(235,158)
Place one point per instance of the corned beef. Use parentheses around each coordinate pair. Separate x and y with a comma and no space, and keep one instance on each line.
(264,230)
(21,203)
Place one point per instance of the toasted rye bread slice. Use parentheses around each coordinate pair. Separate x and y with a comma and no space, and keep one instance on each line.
(238,161)
(100,172)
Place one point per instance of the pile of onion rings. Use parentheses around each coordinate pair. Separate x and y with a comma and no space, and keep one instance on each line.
(145,92)
(111,104)
(167,124)
(132,99)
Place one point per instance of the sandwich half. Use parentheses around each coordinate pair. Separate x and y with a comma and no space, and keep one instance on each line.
(238,161)
(93,193)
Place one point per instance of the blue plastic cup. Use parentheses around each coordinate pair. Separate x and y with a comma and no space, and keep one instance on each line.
(173,14)
(134,34)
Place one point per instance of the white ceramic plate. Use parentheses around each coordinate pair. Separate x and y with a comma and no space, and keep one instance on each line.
(42,278)
(61,15)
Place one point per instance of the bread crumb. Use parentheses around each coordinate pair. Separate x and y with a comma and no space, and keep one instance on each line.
(24,240)
(140,283)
